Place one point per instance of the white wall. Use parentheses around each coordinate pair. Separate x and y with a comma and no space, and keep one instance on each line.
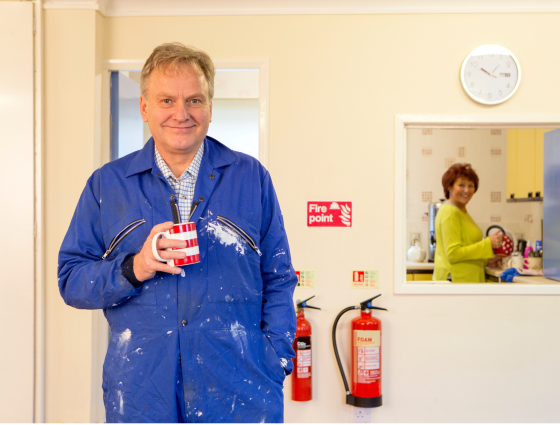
(131,124)
(235,123)
(17,308)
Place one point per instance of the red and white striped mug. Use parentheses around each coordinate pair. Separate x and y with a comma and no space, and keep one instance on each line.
(183,232)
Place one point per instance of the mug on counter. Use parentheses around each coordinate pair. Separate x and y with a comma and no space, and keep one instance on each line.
(534,263)
(516,262)
(183,232)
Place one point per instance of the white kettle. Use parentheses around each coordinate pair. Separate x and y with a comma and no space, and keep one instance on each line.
(416,253)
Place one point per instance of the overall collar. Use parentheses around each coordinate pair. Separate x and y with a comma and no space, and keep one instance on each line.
(215,154)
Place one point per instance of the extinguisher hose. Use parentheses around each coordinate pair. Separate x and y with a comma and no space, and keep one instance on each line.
(336,348)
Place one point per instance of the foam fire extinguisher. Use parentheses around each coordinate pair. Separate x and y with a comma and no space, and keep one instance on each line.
(366,356)
(301,376)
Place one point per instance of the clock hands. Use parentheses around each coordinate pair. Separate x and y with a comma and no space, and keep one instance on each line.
(482,69)
(501,60)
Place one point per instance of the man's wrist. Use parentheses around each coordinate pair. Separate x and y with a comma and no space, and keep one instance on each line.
(127,267)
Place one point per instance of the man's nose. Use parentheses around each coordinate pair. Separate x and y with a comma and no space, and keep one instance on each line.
(181,111)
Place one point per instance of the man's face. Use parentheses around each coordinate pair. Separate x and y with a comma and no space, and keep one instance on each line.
(177,109)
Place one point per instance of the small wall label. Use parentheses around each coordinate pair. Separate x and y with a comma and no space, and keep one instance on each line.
(365,279)
(306,278)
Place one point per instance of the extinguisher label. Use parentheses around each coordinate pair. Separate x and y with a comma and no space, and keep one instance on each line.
(366,346)
(367,338)
(303,356)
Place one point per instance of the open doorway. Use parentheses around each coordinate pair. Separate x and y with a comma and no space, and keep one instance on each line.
(235,112)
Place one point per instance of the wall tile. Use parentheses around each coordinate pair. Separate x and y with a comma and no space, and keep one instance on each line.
(495,196)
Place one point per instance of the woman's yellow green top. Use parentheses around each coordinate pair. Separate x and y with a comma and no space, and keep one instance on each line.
(460,248)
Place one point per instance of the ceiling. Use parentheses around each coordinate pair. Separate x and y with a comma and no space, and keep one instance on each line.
(302,7)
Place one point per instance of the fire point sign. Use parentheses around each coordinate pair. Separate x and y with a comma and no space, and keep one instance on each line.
(329,214)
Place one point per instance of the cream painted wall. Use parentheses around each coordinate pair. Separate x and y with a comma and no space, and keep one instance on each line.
(336,83)
(72,59)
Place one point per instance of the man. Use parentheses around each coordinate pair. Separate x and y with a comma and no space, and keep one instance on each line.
(207,342)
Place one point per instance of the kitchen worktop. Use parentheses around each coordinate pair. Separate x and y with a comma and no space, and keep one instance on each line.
(530,280)
(410,265)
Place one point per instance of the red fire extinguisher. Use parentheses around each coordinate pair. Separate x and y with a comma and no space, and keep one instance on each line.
(301,376)
(366,356)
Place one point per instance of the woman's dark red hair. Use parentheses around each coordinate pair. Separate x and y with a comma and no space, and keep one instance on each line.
(456,171)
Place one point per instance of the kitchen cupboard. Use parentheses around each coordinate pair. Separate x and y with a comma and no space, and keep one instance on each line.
(419,275)
(525,162)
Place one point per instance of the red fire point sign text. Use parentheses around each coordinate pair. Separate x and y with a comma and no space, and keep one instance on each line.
(329,214)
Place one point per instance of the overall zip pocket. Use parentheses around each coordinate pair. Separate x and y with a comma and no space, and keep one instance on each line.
(235,228)
(121,235)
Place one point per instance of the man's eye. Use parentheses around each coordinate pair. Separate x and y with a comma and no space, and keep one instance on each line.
(166,101)
(195,100)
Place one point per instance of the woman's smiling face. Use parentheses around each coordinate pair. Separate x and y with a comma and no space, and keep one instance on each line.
(461,192)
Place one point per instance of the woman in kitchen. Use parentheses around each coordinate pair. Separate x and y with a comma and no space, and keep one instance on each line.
(461,251)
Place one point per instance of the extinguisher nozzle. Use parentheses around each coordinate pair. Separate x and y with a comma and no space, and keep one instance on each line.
(367,304)
(303,304)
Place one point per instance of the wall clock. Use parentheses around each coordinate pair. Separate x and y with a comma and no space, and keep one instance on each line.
(490,74)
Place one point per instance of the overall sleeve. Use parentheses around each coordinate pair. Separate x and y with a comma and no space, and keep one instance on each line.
(455,250)
(279,279)
(84,279)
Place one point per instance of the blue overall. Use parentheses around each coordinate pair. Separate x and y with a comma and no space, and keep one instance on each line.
(213,344)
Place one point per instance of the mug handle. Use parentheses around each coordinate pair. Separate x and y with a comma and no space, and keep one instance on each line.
(154,246)
(509,263)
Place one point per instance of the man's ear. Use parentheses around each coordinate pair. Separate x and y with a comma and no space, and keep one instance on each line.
(144,108)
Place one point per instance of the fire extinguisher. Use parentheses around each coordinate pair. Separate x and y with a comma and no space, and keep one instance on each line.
(301,376)
(366,356)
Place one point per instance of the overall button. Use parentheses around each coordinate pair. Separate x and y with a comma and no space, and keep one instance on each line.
(172,197)
(201,199)
(184,323)
(212,176)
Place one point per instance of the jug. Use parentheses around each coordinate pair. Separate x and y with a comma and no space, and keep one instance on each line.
(416,253)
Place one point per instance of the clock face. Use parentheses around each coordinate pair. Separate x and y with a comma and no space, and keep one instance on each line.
(490,74)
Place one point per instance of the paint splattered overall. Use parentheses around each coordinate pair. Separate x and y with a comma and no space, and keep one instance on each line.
(212,344)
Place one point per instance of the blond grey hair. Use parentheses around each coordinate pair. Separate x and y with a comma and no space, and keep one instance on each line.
(172,56)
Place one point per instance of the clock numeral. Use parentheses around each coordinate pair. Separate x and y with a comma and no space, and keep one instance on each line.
(468,74)
(475,64)
(480,92)
(489,95)
(508,64)
(472,85)
(507,86)
(500,92)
